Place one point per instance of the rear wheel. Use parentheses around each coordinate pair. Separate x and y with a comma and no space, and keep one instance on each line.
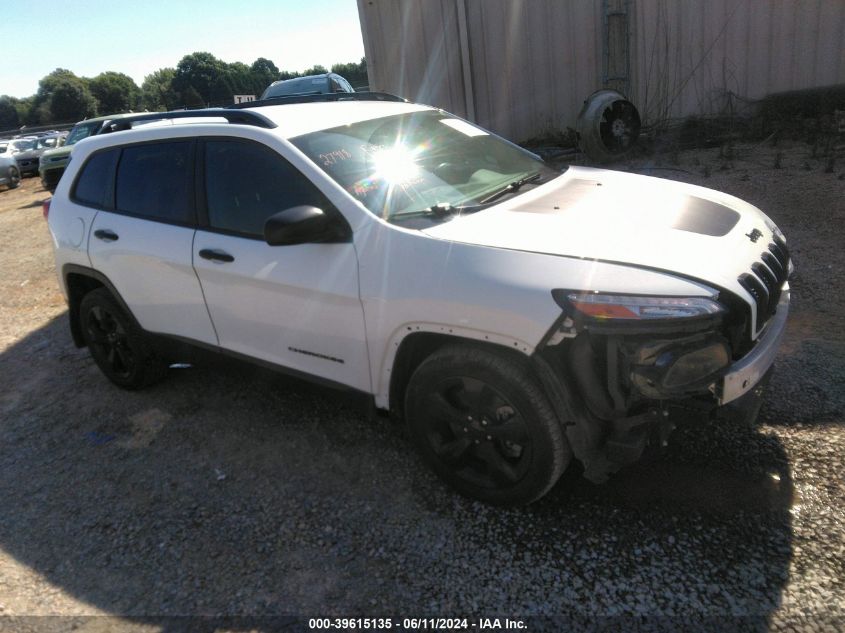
(484,424)
(118,346)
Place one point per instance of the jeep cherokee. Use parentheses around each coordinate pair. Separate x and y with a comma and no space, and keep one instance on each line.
(516,317)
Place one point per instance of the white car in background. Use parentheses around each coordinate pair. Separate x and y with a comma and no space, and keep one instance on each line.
(10,175)
(516,317)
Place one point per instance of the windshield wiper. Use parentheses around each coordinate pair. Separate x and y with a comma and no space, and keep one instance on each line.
(439,210)
(513,187)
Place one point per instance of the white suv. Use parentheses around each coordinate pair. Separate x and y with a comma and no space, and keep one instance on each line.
(515,317)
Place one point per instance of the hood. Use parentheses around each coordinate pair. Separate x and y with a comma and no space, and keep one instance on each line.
(58,152)
(626,218)
(30,153)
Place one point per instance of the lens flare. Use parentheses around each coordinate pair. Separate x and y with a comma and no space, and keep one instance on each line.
(395,165)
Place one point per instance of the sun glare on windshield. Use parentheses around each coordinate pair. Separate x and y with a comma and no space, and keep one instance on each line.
(395,165)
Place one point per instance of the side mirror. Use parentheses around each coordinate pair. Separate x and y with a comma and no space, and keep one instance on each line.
(300,225)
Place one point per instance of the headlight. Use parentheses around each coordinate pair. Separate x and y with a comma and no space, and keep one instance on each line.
(603,307)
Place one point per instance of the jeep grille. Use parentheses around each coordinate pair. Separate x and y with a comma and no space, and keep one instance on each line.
(765,281)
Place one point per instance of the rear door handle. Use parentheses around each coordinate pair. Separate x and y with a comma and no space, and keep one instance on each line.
(106,235)
(215,254)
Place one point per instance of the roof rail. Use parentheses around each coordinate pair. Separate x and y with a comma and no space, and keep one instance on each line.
(241,118)
(318,97)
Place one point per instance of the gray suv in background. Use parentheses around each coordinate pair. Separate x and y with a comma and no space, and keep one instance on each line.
(309,85)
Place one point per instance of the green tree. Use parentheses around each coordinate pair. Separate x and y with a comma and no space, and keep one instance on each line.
(356,74)
(71,101)
(157,91)
(240,79)
(264,72)
(26,112)
(200,71)
(315,70)
(48,84)
(9,117)
(115,92)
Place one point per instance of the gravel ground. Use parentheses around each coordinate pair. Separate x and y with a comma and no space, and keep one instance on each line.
(231,491)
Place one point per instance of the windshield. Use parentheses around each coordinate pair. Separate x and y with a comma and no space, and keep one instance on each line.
(46,142)
(405,164)
(81,131)
(24,145)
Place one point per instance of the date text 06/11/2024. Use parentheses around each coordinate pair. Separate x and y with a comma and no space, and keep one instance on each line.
(416,624)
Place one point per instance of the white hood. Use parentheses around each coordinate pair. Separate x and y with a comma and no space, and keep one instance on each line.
(626,218)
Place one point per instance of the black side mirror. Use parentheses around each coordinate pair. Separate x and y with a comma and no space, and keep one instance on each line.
(300,225)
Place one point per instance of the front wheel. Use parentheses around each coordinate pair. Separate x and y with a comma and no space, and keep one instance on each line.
(117,344)
(14,178)
(483,423)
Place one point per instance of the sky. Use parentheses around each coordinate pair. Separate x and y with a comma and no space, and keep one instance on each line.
(139,37)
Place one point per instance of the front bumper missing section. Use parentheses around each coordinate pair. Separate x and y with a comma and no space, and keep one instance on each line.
(747,372)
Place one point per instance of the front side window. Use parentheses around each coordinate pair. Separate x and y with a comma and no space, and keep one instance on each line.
(94,185)
(155,181)
(246,183)
(404,165)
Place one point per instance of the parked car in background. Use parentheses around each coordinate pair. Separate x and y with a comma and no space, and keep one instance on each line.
(11,146)
(28,160)
(52,163)
(10,176)
(310,84)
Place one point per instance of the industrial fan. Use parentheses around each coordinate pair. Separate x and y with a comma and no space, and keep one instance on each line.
(608,125)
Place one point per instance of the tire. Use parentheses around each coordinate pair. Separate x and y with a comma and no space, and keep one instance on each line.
(484,424)
(118,346)
(14,178)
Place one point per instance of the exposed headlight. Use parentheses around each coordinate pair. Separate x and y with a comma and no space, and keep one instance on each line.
(601,306)
(663,368)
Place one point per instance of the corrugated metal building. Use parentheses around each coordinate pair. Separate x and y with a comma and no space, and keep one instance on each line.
(523,67)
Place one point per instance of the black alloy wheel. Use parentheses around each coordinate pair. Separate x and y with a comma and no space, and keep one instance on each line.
(477,432)
(117,344)
(484,424)
(109,341)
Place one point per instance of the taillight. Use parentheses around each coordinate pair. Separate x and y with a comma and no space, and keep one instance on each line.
(45,208)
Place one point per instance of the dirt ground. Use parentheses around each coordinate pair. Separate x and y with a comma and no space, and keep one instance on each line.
(230,491)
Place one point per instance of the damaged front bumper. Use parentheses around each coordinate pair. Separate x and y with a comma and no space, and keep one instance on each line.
(616,395)
(748,371)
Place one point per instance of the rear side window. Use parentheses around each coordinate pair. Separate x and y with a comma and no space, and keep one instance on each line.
(155,181)
(246,183)
(94,185)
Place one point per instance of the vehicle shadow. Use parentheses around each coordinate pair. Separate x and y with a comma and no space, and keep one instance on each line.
(231,491)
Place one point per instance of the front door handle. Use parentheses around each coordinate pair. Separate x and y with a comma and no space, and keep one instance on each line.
(106,235)
(215,254)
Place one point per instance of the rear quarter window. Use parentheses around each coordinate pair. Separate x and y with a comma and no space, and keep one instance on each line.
(95,184)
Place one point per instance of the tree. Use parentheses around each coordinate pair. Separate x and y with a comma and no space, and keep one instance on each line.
(115,92)
(200,71)
(264,72)
(157,91)
(27,114)
(356,74)
(239,79)
(48,84)
(62,97)
(9,117)
(315,70)
(71,101)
